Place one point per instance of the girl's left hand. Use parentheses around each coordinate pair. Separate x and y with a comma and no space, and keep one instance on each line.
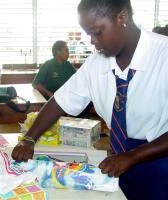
(117,164)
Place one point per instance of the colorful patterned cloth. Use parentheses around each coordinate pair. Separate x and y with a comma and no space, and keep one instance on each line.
(30,191)
(51,174)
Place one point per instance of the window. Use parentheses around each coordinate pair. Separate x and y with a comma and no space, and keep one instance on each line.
(162,13)
(58,20)
(144,13)
(28,28)
(16,31)
(150,13)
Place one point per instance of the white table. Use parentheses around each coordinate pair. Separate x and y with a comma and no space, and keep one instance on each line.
(63,194)
(68,194)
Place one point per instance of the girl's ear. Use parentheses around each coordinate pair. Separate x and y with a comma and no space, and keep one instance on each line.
(122,18)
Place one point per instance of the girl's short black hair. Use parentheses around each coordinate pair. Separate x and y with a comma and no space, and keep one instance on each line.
(57,46)
(105,8)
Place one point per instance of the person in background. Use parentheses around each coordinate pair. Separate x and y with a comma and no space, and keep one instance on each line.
(161,30)
(126,79)
(55,72)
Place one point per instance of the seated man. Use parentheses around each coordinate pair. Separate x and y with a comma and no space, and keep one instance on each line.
(54,72)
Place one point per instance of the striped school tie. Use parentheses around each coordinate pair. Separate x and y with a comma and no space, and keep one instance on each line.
(118,133)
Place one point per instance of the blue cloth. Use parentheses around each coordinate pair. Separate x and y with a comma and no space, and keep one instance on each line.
(145,181)
(118,133)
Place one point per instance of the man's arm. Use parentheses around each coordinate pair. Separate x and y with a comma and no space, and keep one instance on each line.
(40,80)
(46,93)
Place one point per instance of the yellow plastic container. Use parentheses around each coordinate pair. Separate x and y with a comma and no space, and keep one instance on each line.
(50,138)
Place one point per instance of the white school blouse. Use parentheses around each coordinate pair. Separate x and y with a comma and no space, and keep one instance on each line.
(147,96)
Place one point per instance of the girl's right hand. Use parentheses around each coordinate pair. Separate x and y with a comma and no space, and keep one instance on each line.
(23,151)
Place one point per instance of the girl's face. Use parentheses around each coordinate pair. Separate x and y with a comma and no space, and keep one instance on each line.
(107,35)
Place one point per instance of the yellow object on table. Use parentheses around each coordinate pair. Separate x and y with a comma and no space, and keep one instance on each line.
(51,137)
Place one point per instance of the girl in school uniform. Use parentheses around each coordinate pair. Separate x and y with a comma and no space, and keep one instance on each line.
(140,119)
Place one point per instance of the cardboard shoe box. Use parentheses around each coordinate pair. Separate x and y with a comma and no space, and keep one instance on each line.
(79,132)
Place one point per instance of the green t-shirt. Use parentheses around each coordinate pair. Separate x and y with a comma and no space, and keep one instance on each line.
(52,75)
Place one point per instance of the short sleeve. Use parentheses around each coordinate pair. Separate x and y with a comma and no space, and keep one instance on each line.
(74,95)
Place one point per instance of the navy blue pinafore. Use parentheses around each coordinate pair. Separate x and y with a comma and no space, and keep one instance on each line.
(146,181)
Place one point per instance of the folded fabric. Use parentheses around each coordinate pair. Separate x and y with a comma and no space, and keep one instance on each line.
(11,175)
(51,174)
(30,191)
